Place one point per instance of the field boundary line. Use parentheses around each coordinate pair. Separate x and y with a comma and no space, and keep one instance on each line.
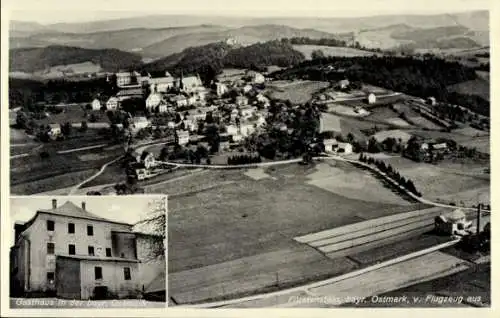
(305,288)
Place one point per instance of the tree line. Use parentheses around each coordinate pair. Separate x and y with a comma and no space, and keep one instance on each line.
(243,159)
(391,172)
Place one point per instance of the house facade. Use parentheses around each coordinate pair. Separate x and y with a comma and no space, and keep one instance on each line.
(128,79)
(153,100)
(69,252)
(54,130)
(112,103)
(221,89)
(182,137)
(162,84)
(190,83)
(96,104)
(371,98)
(140,123)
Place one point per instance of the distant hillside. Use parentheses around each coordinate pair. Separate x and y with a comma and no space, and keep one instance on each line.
(125,40)
(36,59)
(443,44)
(474,20)
(245,35)
(430,33)
(215,56)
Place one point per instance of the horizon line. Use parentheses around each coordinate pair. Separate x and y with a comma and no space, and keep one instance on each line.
(227,15)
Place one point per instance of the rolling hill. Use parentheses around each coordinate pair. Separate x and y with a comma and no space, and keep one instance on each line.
(245,35)
(215,56)
(126,40)
(161,35)
(31,60)
(474,20)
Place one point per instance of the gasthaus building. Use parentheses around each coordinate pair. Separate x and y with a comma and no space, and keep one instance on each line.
(68,252)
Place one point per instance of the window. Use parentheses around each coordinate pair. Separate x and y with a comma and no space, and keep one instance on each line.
(90,230)
(50,248)
(126,273)
(71,249)
(108,252)
(50,225)
(91,250)
(71,228)
(98,272)
(50,277)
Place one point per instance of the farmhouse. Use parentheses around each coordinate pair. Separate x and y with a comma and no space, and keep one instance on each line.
(221,89)
(112,103)
(127,79)
(255,77)
(54,130)
(180,100)
(452,223)
(330,144)
(96,104)
(182,137)
(241,100)
(153,100)
(129,93)
(263,100)
(162,84)
(440,147)
(147,159)
(344,147)
(189,125)
(343,84)
(248,111)
(162,108)
(190,83)
(247,88)
(69,252)
(140,123)
(371,98)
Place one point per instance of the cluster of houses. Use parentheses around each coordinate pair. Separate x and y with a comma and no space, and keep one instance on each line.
(236,103)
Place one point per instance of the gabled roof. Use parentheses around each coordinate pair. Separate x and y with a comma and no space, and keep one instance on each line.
(128,92)
(72,210)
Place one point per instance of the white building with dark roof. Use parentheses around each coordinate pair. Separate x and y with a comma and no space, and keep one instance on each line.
(72,253)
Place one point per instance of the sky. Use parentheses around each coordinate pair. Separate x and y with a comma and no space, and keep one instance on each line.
(127,209)
(54,11)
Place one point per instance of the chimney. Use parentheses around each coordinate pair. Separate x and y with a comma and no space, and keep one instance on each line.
(478,223)
(54,203)
(84,206)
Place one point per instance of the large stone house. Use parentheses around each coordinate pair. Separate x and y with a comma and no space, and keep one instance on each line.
(69,252)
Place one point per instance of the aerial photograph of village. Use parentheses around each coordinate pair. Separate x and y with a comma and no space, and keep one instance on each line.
(308,161)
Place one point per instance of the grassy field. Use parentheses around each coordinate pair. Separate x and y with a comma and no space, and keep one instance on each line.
(36,174)
(398,134)
(440,182)
(337,178)
(298,92)
(242,227)
(331,51)
(387,115)
(478,87)
(51,183)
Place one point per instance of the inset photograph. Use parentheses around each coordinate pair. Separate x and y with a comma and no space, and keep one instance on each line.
(81,251)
